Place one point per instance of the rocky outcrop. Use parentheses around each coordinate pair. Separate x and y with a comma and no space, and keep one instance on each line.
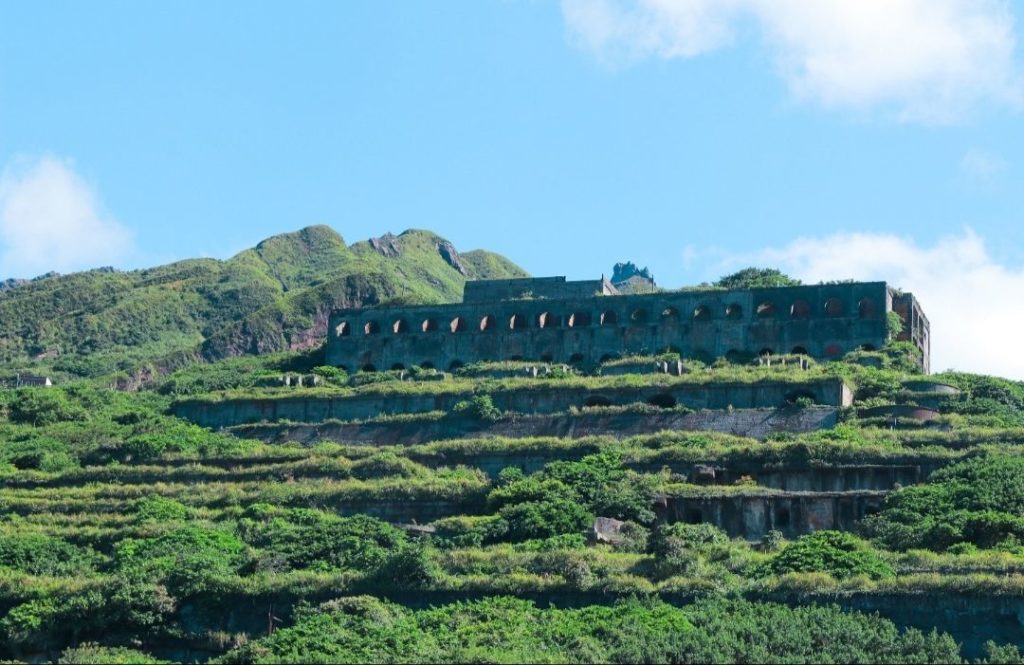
(451,257)
(387,245)
(628,278)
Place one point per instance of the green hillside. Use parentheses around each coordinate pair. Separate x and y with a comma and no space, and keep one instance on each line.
(273,297)
(509,511)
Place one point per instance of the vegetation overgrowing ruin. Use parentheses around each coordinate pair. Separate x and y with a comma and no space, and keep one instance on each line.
(656,506)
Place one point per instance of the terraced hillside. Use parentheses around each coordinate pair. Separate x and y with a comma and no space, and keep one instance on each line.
(514,512)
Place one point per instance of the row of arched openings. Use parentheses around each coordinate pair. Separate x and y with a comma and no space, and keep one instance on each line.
(799,309)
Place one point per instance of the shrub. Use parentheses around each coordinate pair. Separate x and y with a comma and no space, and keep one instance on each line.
(184,558)
(411,566)
(668,540)
(44,406)
(43,453)
(157,508)
(37,554)
(979,501)
(839,554)
(545,518)
(387,464)
(300,538)
(94,654)
(480,407)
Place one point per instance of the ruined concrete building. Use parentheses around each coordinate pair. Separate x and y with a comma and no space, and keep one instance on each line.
(550,319)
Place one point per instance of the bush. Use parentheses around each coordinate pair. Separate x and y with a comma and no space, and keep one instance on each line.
(42,453)
(184,558)
(387,464)
(94,654)
(836,553)
(37,554)
(411,566)
(978,501)
(480,407)
(668,540)
(44,406)
(545,518)
(157,508)
(299,538)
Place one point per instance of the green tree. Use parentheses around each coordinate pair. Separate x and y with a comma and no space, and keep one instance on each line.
(755,278)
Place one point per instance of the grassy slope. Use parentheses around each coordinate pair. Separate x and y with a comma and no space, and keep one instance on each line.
(272,297)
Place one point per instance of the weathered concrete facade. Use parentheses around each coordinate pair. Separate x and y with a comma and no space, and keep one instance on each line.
(552,320)
(533,400)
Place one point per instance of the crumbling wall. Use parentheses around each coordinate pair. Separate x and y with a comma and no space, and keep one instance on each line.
(532,400)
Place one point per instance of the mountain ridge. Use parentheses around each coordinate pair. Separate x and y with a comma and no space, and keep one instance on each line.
(275,296)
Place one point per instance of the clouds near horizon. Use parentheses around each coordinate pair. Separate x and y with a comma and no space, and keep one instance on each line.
(970,298)
(52,219)
(923,60)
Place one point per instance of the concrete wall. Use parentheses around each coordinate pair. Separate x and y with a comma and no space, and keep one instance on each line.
(822,321)
(493,290)
(762,394)
(753,515)
(754,423)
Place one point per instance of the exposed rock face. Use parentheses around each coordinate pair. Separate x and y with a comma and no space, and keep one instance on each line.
(627,278)
(14,282)
(624,271)
(448,253)
(387,245)
(607,530)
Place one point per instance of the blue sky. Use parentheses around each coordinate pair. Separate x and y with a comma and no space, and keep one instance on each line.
(875,139)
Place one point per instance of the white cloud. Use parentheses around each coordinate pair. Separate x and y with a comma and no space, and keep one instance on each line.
(970,299)
(924,59)
(981,164)
(50,219)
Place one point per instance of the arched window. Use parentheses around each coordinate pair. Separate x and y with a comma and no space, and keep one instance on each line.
(579,320)
(609,318)
(487,322)
(765,352)
(702,313)
(547,358)
(517,322)
(454,365)
(397,367)
(638,316)
(428,325)
(399,326)
(608,356)
(662,401)
(734,356)
(458,324)
(547,320)
(670,314)
(371,328)
(734,311)
(426,364)
(834,307)
(343,329)
(703,355)
(368,368)
(766,310)
(575,358)
(799,351)
(800,309)
(866,309)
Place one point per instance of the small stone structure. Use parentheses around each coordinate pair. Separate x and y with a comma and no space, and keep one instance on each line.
(588,322)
